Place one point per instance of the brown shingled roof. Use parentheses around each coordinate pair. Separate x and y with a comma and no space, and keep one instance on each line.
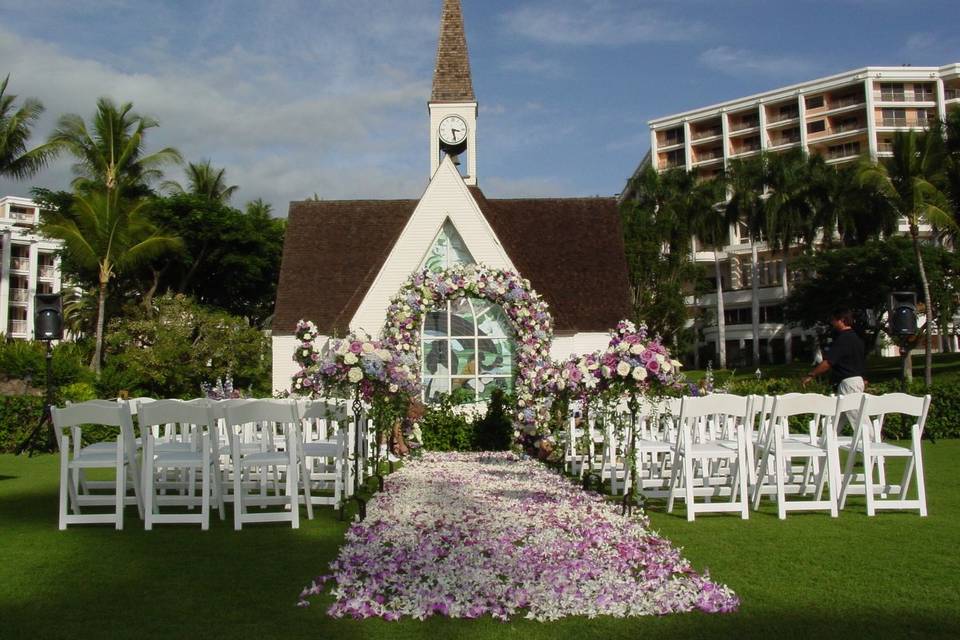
(332,252)
(451,75)
(571,250)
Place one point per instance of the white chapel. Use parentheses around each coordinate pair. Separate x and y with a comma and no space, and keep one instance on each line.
(344,260)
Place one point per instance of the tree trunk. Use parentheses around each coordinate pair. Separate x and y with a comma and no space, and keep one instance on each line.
(928,305)
(721,320)
(755,301)
(906,365)
(148,295)
(101,309)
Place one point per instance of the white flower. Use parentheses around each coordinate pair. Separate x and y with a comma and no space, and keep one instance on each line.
(384,355)
(623,369)
(350,358)
(355,374)
(636,349)
(639,373)
(367,347)
(393,388)
(342,348)
(660,358)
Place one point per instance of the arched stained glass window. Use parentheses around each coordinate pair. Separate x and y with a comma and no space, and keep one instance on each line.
(467,350)
(447,250)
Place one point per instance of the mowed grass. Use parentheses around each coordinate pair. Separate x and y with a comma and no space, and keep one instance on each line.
(895,575)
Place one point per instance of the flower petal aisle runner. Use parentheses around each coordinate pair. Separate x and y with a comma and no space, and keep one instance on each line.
(472,534)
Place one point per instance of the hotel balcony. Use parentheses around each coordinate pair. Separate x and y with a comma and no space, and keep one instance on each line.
(19,295)
(782,119)
(903,96)
(21,265)
(18,328)
(951,94)
(902,122)
(47,272)
(21,218)
(784,142)
(845,103)
(701,137)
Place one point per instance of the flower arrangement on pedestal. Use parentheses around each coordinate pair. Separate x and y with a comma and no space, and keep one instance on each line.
(356,361)
(634,363)
(526,310)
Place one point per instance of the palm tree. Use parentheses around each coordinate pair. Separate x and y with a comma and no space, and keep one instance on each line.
(15,129)
(259,209)
(745,180)
(205,181)
(110,153)
(108,235)
(702,202)
(908,181)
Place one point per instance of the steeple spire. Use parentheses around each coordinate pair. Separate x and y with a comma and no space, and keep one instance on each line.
(451,76)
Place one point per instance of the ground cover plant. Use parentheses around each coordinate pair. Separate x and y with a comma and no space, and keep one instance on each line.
(809,576)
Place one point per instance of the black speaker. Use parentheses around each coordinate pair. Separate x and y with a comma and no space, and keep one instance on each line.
(903,314)
(48,316)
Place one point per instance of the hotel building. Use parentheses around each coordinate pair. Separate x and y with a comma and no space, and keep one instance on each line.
(840,117)
(28,265)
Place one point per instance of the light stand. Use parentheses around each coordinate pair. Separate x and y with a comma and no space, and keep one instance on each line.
(629,495)
(45,441)
(359,450)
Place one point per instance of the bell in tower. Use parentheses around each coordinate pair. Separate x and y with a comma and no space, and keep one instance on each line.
(453,106)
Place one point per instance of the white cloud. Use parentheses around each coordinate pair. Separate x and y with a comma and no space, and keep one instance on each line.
(598,22)
(277,138)
(534,65)
(744,62)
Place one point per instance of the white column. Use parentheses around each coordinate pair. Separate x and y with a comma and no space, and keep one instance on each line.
(941,101)
(6,250)
(32,286)
(687,147)
(871,117)
(762,112)
(787,344)
(802,115)
(654,155)
(57,276)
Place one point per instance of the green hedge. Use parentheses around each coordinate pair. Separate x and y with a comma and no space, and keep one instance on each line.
(19,414)
(943,421)
(443,430)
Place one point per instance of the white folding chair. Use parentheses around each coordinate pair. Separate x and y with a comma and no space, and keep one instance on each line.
(323,452)
(779,447)
(695,451)
(655,444)
(873,411)
(196,421)
(262,416)
(120,455)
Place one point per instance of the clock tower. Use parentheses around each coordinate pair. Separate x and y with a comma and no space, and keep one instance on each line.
(452,106)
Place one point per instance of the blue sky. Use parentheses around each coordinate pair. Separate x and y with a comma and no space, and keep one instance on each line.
(329,96)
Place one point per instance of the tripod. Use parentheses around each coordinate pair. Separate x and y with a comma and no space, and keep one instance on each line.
(40,438)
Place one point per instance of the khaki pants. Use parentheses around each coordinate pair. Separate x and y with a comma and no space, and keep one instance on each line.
(848,386)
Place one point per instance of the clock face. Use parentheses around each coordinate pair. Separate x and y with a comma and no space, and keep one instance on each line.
(453,130)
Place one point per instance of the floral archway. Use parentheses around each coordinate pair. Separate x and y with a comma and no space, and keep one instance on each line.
(527,313)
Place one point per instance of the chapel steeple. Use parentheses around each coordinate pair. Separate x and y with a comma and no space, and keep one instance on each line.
(451,75)
(453,105)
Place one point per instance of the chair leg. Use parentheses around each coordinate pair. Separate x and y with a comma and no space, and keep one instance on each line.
(292,471)
(780,468)
(688,487)
(918,456)
(147,485)
(868,480)
(305,479)
(674,481)
(237,495)
(65,481)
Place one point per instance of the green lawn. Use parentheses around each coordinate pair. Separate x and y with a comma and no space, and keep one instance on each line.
(895,575)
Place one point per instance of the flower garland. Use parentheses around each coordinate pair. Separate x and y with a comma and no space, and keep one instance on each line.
(527,311)
(346,362)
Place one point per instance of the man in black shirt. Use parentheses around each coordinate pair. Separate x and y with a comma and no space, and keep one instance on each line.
(845,359)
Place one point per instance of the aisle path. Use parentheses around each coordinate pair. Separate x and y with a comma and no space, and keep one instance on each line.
(466,535)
